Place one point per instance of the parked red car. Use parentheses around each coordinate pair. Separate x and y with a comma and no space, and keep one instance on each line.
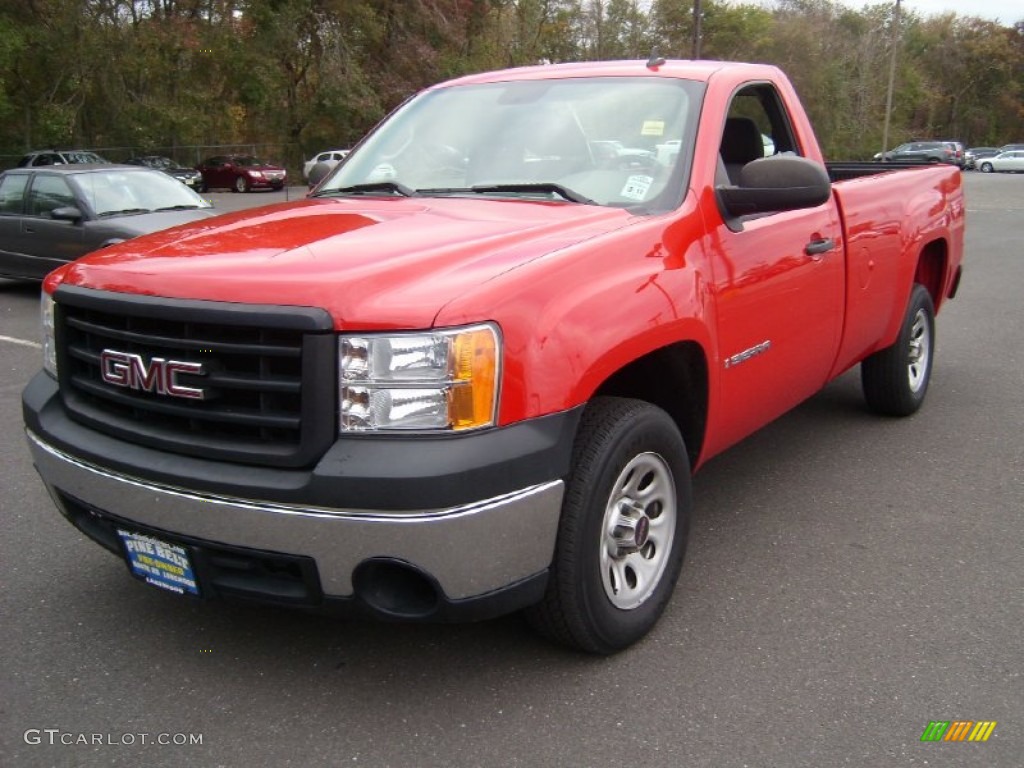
(240,173)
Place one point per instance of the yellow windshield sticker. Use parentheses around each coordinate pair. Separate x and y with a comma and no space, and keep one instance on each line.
(653,128)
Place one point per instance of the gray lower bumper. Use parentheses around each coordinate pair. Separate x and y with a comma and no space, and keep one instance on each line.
(470,549)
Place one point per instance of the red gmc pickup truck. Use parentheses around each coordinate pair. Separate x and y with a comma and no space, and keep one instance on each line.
(473,371)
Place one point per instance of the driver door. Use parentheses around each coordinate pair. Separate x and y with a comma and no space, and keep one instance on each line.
(778,282)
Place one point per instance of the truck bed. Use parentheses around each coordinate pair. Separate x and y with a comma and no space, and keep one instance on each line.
(844,170)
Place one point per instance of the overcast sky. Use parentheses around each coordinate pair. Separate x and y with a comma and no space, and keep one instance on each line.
(1007,12)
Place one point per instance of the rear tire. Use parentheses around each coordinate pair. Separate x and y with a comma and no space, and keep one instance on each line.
(623,530)
(895,379)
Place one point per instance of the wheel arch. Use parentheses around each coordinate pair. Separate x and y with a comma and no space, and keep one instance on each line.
(932,270)
(674,378)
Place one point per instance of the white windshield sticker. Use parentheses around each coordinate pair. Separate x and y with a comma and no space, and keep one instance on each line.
(636,187)
(383,172)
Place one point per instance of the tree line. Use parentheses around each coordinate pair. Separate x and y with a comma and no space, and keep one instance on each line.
(313,74)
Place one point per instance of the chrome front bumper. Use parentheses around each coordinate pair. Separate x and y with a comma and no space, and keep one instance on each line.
(470,549)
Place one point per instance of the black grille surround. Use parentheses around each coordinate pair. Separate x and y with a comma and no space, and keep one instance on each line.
(269,375)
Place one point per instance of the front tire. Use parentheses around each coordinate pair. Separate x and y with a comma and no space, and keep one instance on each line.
(895,379)
(623,530)
(986,168)
(241,184)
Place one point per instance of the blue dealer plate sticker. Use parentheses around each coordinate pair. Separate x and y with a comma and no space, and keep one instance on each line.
(158,563)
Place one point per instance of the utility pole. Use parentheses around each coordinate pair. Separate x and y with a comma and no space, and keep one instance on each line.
(696,28)
(892,78)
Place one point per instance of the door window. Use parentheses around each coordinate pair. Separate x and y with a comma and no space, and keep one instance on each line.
(48,192)
(12,193)
(756,126)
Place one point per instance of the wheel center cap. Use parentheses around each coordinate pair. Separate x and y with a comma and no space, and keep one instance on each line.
(642,530)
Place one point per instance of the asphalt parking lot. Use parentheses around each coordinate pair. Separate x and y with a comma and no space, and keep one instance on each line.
(849,579)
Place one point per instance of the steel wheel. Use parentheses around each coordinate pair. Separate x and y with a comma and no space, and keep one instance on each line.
(919,354)
(639,525)
(622,534)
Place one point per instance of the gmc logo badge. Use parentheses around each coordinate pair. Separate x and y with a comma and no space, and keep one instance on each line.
(123,369)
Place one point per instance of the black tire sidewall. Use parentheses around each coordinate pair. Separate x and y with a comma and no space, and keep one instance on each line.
(643,430)
(884,375)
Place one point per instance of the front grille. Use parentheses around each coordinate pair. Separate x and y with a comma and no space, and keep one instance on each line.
(267,382)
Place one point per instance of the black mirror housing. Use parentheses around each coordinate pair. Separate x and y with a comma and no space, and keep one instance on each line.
(775,184)
(66,213)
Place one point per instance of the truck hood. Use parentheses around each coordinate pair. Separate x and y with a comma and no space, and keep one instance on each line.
(371,263)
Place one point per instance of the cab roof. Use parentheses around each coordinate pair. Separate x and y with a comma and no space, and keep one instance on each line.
(699,70)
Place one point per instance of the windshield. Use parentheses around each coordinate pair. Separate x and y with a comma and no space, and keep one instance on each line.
(248,161)
(121,191)
(611,141)
(83,157)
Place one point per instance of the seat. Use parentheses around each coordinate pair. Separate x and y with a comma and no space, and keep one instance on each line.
(741,143)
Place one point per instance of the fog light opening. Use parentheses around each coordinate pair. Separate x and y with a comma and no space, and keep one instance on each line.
(395,588)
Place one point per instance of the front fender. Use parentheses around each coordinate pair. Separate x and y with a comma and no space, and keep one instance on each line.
(572,318)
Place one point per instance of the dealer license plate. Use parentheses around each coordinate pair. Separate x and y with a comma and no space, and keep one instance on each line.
(159,563)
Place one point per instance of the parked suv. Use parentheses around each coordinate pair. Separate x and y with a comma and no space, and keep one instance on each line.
(959,153)
(60,157)
(921,151)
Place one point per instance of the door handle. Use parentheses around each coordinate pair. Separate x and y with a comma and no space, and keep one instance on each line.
(818,247)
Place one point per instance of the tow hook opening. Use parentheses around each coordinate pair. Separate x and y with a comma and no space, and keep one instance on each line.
(396,589)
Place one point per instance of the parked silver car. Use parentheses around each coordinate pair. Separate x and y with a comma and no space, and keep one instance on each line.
(331,156)
(59,157)
(1009,162)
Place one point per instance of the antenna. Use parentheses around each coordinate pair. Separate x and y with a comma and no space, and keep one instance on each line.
(655,60)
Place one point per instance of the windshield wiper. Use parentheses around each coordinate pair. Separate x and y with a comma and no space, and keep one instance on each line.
(124,211)
(189,207)
(532,187)
(394,187)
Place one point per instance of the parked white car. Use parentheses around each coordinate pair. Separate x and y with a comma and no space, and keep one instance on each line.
(331,156)
(1012,162)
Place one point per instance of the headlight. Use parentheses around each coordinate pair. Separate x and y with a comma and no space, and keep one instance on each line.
(49,345)
(441,380)
(255,174)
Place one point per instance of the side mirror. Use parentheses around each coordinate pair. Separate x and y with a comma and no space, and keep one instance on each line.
(774,184)
(66,213)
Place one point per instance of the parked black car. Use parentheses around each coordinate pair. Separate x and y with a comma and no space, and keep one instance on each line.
(190,177)
(54,214)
